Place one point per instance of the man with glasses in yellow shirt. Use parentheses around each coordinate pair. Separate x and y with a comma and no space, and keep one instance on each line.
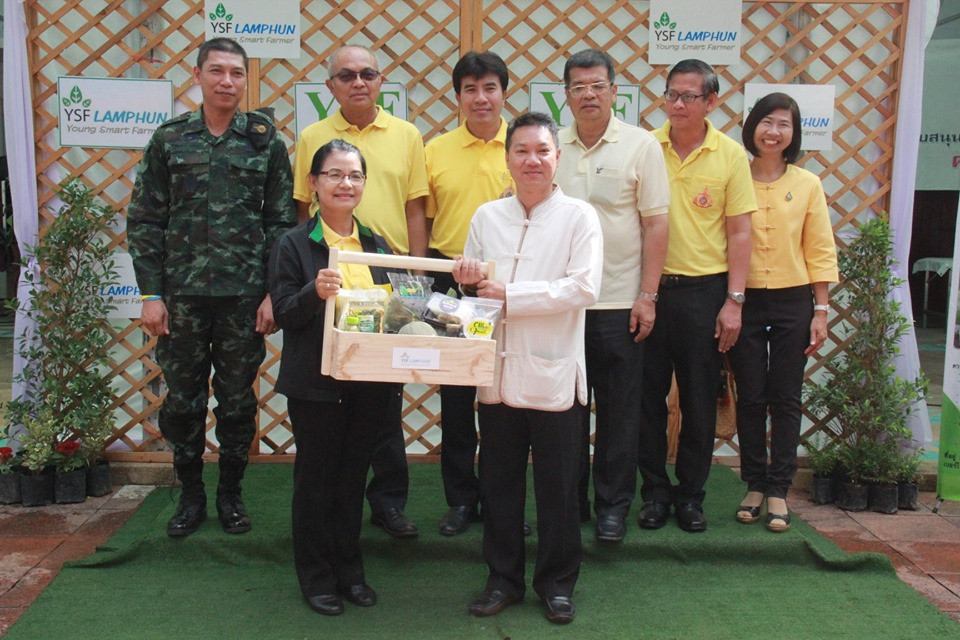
(466,167)
(394,199)
(701,290)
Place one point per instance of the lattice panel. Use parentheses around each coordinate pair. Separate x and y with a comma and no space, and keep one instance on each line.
(855,46)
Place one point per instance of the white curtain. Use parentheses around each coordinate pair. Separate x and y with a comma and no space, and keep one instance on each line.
(18,120)
(921,20)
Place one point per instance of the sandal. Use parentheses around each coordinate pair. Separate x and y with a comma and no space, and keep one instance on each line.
(778,522)
(748,515)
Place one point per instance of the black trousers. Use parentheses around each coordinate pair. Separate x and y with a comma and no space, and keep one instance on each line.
(615,376)
(334,441)
(458,436)
(391,478)
(507,437)
(768,364)
(681,341)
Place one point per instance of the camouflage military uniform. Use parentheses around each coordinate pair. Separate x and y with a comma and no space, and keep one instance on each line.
(204,213)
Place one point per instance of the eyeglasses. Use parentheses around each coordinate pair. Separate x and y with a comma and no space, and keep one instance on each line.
(578,90)
(687,98)
(336,176)
(367,75)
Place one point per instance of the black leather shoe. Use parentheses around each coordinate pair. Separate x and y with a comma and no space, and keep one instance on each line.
(527,530)
(560,609)
(360,594)
(396,523)
(611,527)
(232,513)
(191,511)
(690,517)
(653,515)
(491,602)
(457,520)
(328,604)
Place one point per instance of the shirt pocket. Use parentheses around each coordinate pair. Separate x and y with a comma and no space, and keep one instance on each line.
(606,187)
(247,176)
(706,194)
(532,382)
(189,176)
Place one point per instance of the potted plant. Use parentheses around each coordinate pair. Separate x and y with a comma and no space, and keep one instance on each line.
(70,397)
(70,481)
(881,465)
(824,460)
(853,491)
(860,397)
(908,480)
(37,443)
(9,476)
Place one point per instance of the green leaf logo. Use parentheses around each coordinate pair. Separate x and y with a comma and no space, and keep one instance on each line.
(86,103)
(76,96)
(220,13)
(664,22)
(66,102)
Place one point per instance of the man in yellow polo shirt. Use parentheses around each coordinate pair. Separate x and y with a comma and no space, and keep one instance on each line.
(395,194)
(701,290)
(466,167)
(619,169)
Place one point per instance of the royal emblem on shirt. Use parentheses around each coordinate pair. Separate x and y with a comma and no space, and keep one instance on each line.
(703,199)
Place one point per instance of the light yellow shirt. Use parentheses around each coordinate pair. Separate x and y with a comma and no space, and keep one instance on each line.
(396,172)
(792,238)
(352,276)
(708,186)
(463,172)
(624,177)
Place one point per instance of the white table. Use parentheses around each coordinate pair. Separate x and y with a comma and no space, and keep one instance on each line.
(931,267)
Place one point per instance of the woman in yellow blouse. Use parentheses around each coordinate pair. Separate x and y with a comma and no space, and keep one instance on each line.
(793,260)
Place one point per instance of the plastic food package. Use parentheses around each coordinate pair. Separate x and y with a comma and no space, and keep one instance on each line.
(367,305)
(407,302)
(464,317)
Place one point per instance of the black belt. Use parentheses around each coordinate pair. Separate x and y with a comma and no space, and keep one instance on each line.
(670,280)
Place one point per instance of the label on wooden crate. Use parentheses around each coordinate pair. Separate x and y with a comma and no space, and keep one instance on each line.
(406,358)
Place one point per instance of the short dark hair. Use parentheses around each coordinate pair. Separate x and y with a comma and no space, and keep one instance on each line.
(709,84)
(225,45)
(585,60)
(533,119)
(764,107)
(334,145)
(475,64)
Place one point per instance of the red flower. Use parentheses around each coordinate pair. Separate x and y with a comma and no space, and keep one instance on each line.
(6,453)
(68,448)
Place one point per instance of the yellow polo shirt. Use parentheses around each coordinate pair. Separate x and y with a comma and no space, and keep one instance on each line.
(352,276)
(792,237)
(623,176)
(463,172)
(710,185)
(396,172)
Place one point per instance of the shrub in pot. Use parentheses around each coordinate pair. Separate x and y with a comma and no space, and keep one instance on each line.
(70,481)
(9,476)
(908,480)
(881,464)
(824,461)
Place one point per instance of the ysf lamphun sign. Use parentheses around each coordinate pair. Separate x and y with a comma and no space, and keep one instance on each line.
(264,29)
(111,113)
(708,30)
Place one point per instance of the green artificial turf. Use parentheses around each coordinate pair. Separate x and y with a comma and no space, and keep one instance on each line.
(733,581)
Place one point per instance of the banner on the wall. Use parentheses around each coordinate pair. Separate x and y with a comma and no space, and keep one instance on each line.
(111,113)
(948,467)
(313,102)
(938,163)
(550,98)
(123,294)
(816,109)
(263,29)
(708,30)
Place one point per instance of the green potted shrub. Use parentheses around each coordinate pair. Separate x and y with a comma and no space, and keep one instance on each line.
(70,396)
(860,397)
(881,464)
(9,475)
(853,491)
(824,460)
(37,443)
(908,480)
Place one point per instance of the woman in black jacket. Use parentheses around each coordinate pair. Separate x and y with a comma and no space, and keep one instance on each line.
(335,423)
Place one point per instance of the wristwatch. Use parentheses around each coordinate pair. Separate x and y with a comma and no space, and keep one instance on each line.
(736,296)
(822,307)
(649,296)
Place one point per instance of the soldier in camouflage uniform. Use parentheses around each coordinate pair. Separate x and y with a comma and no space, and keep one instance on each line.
(213,193)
